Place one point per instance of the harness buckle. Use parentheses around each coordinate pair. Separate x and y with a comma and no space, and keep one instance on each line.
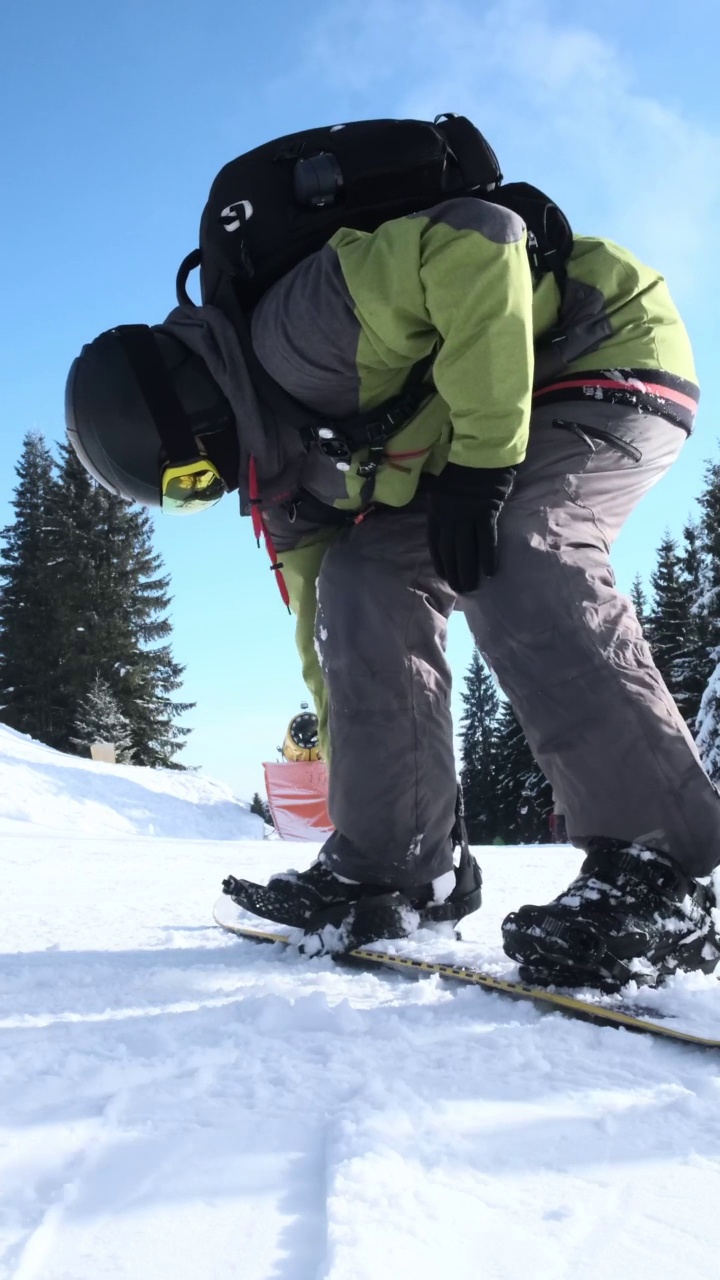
(333,446)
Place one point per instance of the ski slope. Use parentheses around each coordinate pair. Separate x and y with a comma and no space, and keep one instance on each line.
(177,1105)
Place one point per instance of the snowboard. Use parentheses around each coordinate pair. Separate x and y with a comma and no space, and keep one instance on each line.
(587,1009)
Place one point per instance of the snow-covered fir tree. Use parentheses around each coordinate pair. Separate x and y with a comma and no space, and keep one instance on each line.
(99,719)
(31,694)
(669,617)
(639,600)
(115,599)
(479,751)
(674,622)
(524,795)
(707,614)
(82,595)
(693,665)
(258,805)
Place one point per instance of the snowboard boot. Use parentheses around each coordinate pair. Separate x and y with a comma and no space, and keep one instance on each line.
(338,915)
(630,914)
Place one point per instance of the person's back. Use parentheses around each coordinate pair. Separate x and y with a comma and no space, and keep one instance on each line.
(342,330)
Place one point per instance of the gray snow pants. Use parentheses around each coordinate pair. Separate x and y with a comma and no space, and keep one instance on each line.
(565,646)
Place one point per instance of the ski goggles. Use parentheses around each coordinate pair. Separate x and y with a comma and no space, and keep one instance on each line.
(190,487)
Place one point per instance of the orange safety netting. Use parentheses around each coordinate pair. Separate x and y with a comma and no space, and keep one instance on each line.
(297,795)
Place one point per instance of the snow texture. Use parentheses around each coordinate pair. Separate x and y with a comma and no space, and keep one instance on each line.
(46,788)
(179,1105)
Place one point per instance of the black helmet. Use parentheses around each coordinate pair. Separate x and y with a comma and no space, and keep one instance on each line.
(137,398)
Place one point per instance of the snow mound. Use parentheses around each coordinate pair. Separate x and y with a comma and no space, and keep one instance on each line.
(42,787)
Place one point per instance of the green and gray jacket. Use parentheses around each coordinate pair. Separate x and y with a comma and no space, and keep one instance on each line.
(343,329)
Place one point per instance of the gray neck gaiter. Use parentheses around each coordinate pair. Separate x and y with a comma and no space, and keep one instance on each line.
(277,450)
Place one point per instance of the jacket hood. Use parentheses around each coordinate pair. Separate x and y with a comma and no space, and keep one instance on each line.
(276,448)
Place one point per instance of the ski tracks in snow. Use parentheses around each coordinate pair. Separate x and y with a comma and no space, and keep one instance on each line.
(184,1106)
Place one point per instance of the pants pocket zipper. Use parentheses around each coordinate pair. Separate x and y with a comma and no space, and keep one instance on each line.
(590,434)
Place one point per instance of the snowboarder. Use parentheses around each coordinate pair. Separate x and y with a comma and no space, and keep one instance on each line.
(546,419)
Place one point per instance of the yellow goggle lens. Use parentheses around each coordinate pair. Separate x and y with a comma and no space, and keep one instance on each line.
(191,487)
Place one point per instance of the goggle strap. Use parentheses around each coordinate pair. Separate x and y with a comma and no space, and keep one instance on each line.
(156,385)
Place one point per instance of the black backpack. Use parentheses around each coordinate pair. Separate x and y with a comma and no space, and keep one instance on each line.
(274,206)
(277,204)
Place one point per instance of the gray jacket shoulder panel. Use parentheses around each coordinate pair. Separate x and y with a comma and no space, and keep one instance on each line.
(305,333)
(467,213)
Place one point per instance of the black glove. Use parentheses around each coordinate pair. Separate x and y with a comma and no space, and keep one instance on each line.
(463,507)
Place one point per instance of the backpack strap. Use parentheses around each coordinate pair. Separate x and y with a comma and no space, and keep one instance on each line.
(189,263)
(550,237)
(372,428)
(549,241)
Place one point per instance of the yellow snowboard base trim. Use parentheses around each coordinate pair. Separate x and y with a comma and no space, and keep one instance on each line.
(542,997)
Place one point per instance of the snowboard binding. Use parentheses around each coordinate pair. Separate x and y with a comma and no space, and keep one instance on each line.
(631,915)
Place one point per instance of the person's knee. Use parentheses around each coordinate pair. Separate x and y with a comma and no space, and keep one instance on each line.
(360,623)
(547,598)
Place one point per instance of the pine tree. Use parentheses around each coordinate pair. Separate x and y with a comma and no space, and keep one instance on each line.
(707,544)
(669,617)
(149,675)
(99,719)
(693,665)
(258,805)
(114,601)
(525,798)
(676,627)
(478,752)
(707,615)
(30,627)
(82,598)
(639,600)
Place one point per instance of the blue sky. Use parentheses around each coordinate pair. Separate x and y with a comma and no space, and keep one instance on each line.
(115,119)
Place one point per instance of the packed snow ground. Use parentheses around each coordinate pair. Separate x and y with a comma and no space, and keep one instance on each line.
(178,1105)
